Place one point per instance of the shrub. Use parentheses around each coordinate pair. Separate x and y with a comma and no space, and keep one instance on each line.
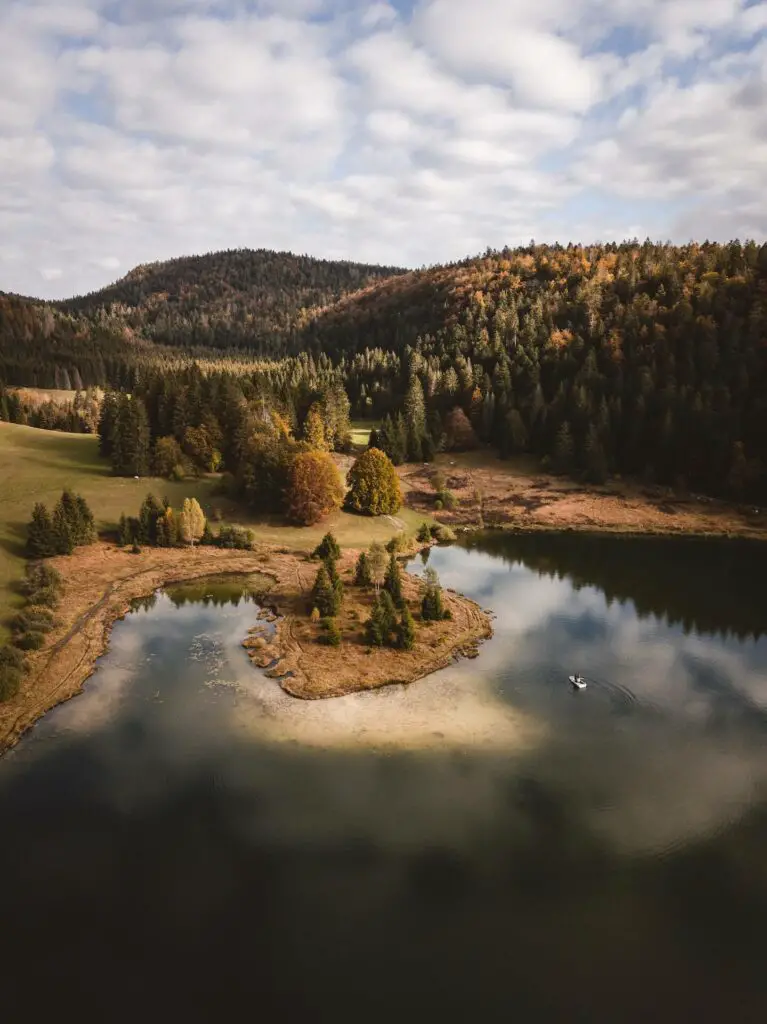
(445,499)
(438,505)
(48,596)
(374,487)
(444,534)
(397,543)
(10,681)
(31,641)
(11,657)
(234,537)
(424,533)
(331,636)
(39,576)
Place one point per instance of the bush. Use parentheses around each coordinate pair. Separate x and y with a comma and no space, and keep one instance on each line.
(11,657)
(424,533)
(48,596)
(438,505)
(234,537)
(10,681)
(397,543)
(445,499)
(37,618)
(331,636)
(31,641)
(40,576)
(443,534)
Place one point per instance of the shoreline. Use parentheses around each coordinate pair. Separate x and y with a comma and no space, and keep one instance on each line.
(97,594)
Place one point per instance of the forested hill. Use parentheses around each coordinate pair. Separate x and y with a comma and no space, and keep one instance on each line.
(635,358)
(250,299)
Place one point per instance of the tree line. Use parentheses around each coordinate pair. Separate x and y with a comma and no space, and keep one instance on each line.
(632,358)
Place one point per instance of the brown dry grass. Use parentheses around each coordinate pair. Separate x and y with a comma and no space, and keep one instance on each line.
(100,582)
(516,495)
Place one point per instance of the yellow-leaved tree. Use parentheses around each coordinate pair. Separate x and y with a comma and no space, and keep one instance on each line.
(192,521)
(374,485)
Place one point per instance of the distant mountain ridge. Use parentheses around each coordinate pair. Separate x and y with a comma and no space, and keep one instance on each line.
(243,298)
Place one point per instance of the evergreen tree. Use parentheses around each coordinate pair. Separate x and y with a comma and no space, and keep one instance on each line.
(377,561)
(362,576)
(373,485)
(393,580)
(107,424)
(41,540)
(424,534)
(63,539)
(406,630)
(328,547)
(324,596)
(382,622)
(415,418)
(151,510)
(124,535)
(564,451)
(331,635)
(314,429)
(432,606)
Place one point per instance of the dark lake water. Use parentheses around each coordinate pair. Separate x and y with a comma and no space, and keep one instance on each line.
(184,840)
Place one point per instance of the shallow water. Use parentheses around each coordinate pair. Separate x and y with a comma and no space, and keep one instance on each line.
(485,844)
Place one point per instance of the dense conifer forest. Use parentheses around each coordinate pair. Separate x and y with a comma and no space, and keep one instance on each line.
(644,359)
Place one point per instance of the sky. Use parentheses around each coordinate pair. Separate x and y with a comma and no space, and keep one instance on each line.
(408,133)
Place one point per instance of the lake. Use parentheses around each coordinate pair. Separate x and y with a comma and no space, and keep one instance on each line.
(487,844)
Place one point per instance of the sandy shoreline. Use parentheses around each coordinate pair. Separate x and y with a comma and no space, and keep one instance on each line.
(101,581)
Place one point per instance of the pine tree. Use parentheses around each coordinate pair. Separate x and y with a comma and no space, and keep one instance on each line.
(424,534)
(63,539)
(107,422)
(323,594)
(393,580)
(328,547)
(124,535)
(87,525)
(406,630)
(382,622)
(331,635)
(149,513)
(362,577)
(564,450)
(415,417)
(432,607)
(41,541)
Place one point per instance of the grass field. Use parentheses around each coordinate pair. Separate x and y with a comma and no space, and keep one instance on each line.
(36,465)
(361,432)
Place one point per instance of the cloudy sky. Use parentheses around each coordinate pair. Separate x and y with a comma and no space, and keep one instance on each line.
(407,132)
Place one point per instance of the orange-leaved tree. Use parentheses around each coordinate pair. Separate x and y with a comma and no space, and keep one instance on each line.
(314,488)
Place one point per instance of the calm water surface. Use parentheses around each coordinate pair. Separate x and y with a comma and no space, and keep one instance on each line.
(184,840)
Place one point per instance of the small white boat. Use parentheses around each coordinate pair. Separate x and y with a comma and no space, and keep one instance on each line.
(578,682)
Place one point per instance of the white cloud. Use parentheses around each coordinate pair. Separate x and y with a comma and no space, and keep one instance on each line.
(154,127)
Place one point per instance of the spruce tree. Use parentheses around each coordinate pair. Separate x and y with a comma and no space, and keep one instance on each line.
(362,577)
(406,630)
(327,548)
(63,539)
(432,607)
(393,580)
(382,622)
(123,531)
(41,541)
(323,595)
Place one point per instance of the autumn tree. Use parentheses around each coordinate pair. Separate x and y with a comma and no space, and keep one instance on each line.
(374,487)
(314,488)
(377,561)
(192,521)
(314,429)
(459,431)
(167,456)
